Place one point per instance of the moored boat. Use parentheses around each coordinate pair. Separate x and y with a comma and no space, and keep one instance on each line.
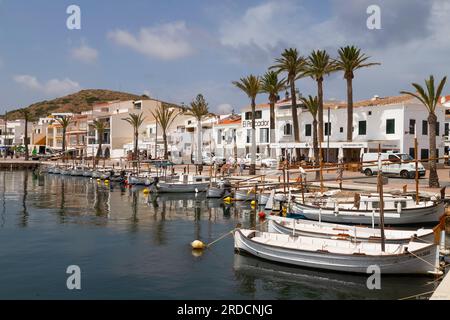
(397,211)
(325,230)
(186,183)
(339,255)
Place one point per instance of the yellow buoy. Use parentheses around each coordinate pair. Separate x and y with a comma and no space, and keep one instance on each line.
(106,181)
(98,180)
(197,244)
(253,203)
(146,191)
(227,199)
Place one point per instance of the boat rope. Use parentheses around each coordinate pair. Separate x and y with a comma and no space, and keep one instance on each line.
(417,295)
(231,232)
(436,268)
(221,237)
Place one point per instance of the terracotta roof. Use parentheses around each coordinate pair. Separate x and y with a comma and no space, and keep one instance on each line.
(230,120)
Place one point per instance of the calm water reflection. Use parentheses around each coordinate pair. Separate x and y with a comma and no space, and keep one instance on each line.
(130,245)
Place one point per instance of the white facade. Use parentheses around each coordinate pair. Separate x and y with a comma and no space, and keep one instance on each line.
(385,122)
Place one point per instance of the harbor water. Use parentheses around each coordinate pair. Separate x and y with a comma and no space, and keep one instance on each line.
(131,245)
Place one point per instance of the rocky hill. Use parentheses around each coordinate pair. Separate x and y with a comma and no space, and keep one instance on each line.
(76,102)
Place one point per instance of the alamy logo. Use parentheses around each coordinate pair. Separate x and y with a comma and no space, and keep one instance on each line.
(74,20)
(74,280)
(374,280)
(374,20)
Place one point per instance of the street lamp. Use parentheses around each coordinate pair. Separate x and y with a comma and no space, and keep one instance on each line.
(328,136)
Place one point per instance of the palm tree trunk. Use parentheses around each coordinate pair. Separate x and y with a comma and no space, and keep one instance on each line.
(199,158)
(434,178)
(136,139)
(272,124)
(26,139)
(320,109)
(64,145)
(295,118)
(253,151)
(166,153)
(349,115)
(316,148)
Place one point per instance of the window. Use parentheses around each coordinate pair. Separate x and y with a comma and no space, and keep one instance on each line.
(249,135)
(412,126)
(437,129)
(424,127)
(219,136)
(446,129)
(287,129)
(394,158)
(362,128)
(390,126)
(327,130)
(411,152)
(308,130)
(370,113)
(423,154)
(341,129)
(138,106)
(264,135)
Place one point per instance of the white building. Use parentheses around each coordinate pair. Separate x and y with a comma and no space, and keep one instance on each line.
(388,122)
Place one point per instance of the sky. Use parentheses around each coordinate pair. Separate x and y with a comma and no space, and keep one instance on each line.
(173,50)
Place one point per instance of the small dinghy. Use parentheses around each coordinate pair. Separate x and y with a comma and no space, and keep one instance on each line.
(339,255)
(308,228)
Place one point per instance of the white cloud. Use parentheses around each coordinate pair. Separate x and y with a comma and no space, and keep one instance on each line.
(84,53)
(167,41)
(51,87)
(224,108)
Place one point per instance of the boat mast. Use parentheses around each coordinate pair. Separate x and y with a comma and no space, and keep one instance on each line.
(417,163)
(380,190)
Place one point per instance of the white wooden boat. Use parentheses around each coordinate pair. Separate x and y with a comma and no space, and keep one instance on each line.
(245,194)
(219,189)
(215,192)
(87,173)
(339,255)
(326,230)
(96,174)
(186,183)
(397,211)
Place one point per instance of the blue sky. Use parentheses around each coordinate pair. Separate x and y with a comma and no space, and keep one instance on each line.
(173,50)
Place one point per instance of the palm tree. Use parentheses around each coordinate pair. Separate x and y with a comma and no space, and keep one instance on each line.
(318,65)
(135,120)
(100,127)
(199,110)
(351,59)
(430,98)
(251,85)
(312,104)
(64,122)
(164,115)
(293,64)
(27,117)
(271,85)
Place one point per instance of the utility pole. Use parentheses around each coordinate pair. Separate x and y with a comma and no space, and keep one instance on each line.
(328,136)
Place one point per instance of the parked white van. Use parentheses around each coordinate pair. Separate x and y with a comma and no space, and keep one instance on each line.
(392,164)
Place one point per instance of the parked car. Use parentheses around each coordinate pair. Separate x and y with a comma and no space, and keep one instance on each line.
(260,161)
(400,164)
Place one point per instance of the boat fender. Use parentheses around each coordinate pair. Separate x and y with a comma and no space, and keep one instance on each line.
(253,203)
(146,191)
(261,215)
(284,211)
(399,207)
(197,244)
